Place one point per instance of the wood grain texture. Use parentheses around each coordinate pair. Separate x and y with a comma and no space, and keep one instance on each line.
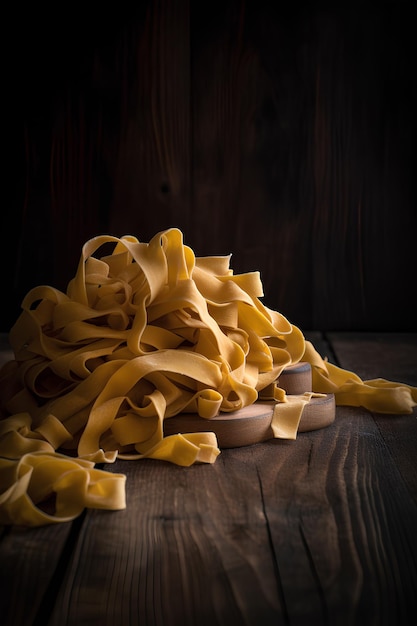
(151,165)
(278,532)
(335,527)
(250,148)
(32,563)
(397,359)
(188,550)
(318,530)
(285,136)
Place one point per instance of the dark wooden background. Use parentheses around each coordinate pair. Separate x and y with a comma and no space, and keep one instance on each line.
(285,135)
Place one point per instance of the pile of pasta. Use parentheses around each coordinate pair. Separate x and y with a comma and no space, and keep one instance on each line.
(144,332)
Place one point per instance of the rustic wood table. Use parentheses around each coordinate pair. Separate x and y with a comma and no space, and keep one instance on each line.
(321,530)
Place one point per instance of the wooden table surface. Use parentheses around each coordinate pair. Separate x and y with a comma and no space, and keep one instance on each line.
(321,530)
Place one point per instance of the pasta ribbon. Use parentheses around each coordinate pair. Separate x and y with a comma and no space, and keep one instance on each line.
(144,332)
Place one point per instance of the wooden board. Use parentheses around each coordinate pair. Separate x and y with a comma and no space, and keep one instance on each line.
(294,124)
(252,424)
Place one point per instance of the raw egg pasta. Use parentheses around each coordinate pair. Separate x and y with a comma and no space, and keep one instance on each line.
(144,332)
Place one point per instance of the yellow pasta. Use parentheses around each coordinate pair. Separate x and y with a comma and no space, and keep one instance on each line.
(142,334)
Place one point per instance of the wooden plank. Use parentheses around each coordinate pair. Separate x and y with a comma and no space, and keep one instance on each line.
(257,129)
(32,562)
(342,525)
(250,148)
(191,548)
(286,109)
(392,356)
(150,161)
(101,137)
(321,528)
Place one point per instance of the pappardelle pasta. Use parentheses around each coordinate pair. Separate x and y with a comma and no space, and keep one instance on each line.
(144,332)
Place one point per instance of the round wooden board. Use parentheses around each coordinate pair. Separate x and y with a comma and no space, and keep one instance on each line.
(251,424)
(296,379)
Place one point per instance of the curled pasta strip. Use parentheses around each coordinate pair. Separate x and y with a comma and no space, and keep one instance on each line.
(143,333)
(74,484)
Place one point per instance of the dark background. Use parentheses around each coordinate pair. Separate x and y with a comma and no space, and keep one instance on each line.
(285,135)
